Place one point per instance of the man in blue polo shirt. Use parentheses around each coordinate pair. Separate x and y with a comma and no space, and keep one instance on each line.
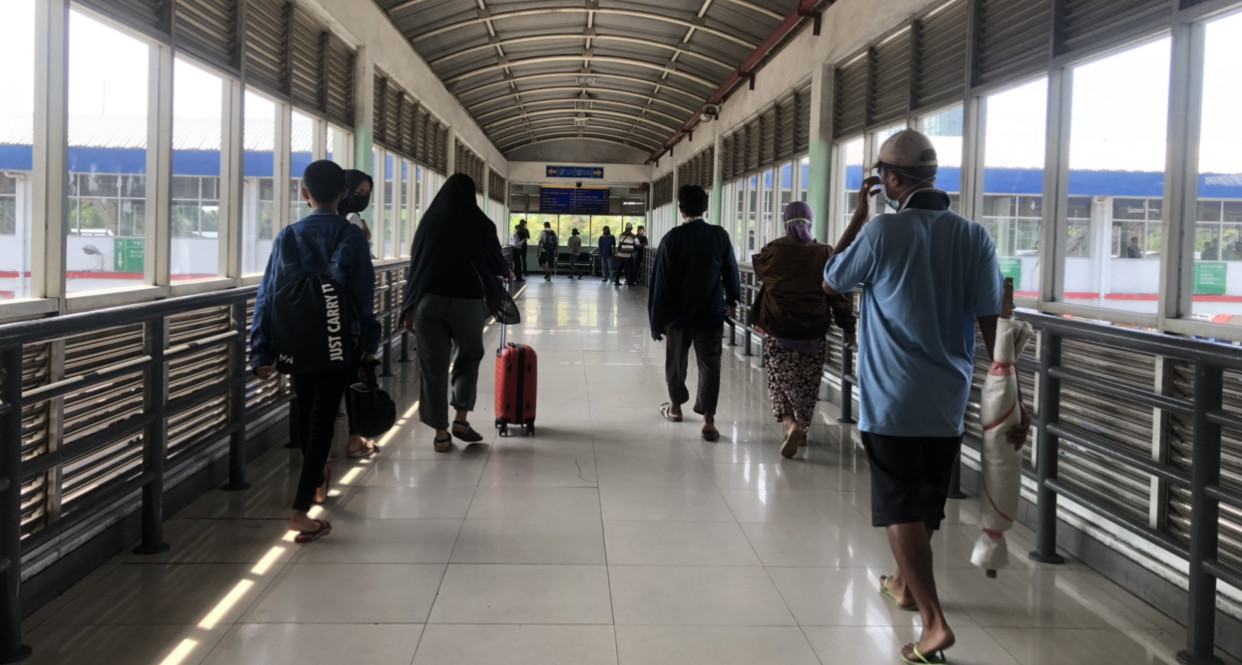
(928,275)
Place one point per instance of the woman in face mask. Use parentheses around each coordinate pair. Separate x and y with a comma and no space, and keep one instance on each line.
(359,186)
(794,315)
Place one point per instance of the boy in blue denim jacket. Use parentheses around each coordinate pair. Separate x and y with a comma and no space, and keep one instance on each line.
(329,244)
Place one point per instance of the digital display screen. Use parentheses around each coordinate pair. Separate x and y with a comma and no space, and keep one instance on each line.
(573,201)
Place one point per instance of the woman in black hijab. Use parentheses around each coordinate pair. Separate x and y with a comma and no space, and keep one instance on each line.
(455,255)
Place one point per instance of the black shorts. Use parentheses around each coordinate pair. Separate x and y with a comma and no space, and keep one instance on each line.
(910,477)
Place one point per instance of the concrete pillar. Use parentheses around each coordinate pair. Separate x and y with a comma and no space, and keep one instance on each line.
(451,151)
(819,189)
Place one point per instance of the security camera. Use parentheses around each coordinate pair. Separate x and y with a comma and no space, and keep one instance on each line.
(579,183)
(710,112)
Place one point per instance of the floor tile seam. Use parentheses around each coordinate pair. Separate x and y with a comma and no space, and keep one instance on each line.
(456,539)
(612,597)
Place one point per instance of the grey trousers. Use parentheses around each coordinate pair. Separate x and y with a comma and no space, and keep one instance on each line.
(442,323)
(707,345)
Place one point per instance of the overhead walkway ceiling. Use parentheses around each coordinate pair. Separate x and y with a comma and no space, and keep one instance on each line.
(614,71)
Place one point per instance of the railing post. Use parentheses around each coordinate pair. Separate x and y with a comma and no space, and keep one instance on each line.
(847,386)
(155,440)
(237,401)
(386,360)
(1204,519)
(11,647)
(746,332)
(955,479)
(1046,464)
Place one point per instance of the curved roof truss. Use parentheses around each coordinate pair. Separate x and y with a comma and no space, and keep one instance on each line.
(575,113)
(535,126)
(530,70)
(548,59)
(632,13)
(637,41)
(590,103)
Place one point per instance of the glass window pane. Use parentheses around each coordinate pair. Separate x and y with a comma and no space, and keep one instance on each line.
(945,131)
(17,81)
(752,214)
(340,146)
(302,141)
(391,200)
(407,211)
(258,197)
(849,180)
(804,170)
(198,125)
(106,243)
(1217,276)
(1013,180)
(1117,165)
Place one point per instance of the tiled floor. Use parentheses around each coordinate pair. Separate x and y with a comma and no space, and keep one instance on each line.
(611,538)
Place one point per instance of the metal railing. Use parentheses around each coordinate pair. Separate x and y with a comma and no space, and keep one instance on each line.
(1066,440)
(1204,409)
(101,407)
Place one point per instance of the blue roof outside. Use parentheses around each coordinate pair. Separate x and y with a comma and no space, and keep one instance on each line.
(997,181)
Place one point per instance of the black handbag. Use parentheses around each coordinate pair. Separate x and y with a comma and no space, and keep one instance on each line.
(499,303)
(374,412)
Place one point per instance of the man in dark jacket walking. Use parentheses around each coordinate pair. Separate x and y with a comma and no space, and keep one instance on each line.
(694,286)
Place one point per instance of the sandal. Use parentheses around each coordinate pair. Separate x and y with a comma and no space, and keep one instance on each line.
(935,658)
(443,445)
(327,478)
(666,410)
(304,537)
(884,580)
(711,434)
(468,434)
(366,451)
(789,447)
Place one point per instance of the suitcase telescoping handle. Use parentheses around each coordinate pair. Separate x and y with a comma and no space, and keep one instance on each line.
(504,330)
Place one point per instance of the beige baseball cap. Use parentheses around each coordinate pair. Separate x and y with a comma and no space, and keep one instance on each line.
(907,148)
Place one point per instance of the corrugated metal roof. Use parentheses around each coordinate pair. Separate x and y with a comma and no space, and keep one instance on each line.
(665,55)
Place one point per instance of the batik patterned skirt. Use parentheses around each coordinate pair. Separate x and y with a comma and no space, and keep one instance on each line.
(793,380)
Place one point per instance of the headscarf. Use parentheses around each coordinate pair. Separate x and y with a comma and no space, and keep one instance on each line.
(452,234)
(798,218)
(354,202)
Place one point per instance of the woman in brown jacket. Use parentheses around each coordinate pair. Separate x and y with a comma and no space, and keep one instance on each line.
(794,315)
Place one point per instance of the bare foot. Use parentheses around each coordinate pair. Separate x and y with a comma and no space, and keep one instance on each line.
(302,522)
(357,444)
(901,592)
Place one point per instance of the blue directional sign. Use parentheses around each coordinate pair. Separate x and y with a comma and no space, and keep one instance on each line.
(575,172)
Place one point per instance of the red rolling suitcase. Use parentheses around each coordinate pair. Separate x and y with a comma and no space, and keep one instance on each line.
(517,369)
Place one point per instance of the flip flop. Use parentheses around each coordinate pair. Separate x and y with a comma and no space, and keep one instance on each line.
(304,537)
(912,607)
(936,658)
(363,452)
(666,410)
(711,435)
(789,447)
